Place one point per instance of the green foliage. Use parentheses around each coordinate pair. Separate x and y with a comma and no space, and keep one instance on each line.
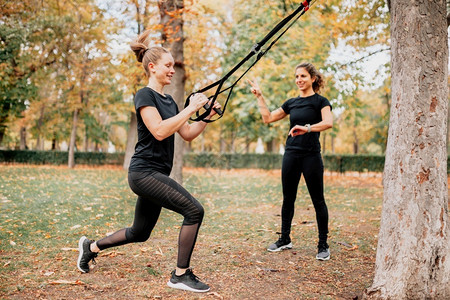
(335,163)
(60,157)
(267,161)
(354,163)
(231,161)
(15,88)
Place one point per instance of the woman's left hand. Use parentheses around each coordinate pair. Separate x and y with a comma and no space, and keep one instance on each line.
(298,130)
(216,106)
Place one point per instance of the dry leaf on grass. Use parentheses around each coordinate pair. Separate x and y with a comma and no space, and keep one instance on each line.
(70,282)
(352,248)
(215,295)
(111,254)
(69,249)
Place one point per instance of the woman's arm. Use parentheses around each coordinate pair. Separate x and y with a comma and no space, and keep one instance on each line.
(190,131)
(267,115)
(326,123)
(162,129)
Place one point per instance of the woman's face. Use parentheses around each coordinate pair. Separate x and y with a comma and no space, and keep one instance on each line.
(163,70)
(303,79)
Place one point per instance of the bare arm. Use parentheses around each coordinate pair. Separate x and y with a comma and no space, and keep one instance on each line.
(267,115)
(162,129)
(326,123)
(190,131)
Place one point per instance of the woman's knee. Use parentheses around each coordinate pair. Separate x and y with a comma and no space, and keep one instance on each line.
(137,236)
(194,216)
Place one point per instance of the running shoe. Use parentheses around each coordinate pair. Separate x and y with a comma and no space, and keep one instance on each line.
(85,254)
(281,244)
(323,252)
(188,282)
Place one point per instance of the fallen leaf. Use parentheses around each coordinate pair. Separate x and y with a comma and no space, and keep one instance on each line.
(159,252)
(352,248)
(345,244)
(70,249)
(267,269)
(111,254)
(71,282)
(215,294)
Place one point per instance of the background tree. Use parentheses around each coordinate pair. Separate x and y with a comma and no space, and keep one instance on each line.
(414,243)
(216,35)
(133,73)
(171,12)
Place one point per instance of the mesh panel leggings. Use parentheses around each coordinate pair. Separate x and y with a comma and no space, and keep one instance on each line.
(156,190)
(311,167)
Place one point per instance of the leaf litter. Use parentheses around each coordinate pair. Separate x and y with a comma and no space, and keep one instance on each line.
(242,210)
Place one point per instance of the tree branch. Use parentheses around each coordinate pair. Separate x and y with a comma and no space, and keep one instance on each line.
(364,57)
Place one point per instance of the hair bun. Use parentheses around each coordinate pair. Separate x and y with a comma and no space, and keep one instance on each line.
(140,55)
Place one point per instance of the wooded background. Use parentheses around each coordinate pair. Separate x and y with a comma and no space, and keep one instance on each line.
(67,71)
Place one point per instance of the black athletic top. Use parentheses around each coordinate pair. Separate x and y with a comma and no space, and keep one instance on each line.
(151,154)
(302,111)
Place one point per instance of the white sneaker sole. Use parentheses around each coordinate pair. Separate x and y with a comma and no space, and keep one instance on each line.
(80,250)
(182,286)
(285,247)
(326,258)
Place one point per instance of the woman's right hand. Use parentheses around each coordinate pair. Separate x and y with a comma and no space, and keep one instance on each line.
(197,101)
(255,89)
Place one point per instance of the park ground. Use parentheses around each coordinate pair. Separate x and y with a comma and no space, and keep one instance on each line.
(46,209)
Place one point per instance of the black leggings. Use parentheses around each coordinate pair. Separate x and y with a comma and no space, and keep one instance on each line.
(312,168)
(156,190)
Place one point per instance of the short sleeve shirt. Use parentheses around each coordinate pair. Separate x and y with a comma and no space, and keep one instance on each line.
(302,111)
(151,154)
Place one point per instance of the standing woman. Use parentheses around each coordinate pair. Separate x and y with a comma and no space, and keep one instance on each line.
(158,119)
(310,114)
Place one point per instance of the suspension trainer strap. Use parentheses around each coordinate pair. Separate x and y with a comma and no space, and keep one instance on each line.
(256,49)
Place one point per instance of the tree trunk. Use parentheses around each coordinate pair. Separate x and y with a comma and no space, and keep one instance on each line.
(23,138)
(324,141)
(270,146)
(332,144)
(73,137)
(131,140)
(40,123)
(171,12)
(355,142)
(54,142)
(413,260)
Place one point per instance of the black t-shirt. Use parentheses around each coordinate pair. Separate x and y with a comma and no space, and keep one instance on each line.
(151,154)
(302,111)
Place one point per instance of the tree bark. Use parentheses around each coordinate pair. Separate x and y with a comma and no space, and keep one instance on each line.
(413,260)
(171,12)
(23,138)
(73,137)
(131,140)
(355,142)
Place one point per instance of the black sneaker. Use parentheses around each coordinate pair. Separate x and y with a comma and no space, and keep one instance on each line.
(323,252)
(188,282)
(281,244)
(86,255)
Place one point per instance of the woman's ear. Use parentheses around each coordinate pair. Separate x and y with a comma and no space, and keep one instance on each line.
(313,78)
(151,67)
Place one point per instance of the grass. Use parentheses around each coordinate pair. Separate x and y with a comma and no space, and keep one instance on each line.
(45,210)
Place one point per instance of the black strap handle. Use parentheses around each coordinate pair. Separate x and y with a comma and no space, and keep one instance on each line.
(304,6)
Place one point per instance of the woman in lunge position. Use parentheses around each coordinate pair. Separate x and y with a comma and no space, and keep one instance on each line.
(158,119)
(310,114)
